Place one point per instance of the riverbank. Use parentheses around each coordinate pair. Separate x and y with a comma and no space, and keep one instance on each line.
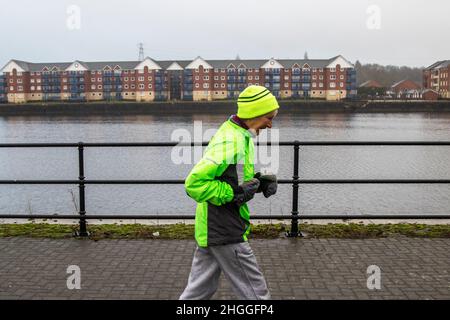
(217,107)
(264,231)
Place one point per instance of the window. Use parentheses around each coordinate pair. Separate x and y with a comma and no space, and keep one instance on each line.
(314,77)
(150,86)
(126,86)
(149,78)
(222,85)
(222,78)
(196,70)
(196,77)
(320,77)
(250,70)
(341,84)
(286,85)
(332,85)
(256,77)
(38,87)
(314,84)
(11,81)
(257,84)
(222,70)
(32,88)
(141,78)
(65,80)
(205,78)
(216,70)
(314,69)
(20,88)
(11,88)
(205,85)
(126,79)
(332,77)
(141,86)
(197,85)
(321,85)
(216,78)
(133,86)
(99,72)
(286,77)
(332,69)
(342,77)
(19,80)
(93,87)
(65,87)
(133,78)
(92,79)
(216,85)
(32,80)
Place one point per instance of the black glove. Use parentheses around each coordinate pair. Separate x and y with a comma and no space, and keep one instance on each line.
(268,184)
(246,191)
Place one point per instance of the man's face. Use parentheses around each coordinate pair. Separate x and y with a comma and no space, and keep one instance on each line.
(264,122)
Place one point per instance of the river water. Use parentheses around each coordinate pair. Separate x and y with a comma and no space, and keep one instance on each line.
(332,162)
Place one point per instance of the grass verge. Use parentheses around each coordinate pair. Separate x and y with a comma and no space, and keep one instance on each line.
(186,231)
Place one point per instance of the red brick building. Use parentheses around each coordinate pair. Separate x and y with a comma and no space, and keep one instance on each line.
(430,94)
(199,79)
(436,77)
(406,89)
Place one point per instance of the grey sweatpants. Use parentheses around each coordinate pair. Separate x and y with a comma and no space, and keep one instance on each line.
(239,266)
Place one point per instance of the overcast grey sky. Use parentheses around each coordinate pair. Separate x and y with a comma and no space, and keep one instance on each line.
(398,32)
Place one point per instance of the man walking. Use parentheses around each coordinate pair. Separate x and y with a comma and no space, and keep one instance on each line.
(222,183)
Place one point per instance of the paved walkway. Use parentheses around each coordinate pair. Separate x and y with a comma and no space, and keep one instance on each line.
(158,269)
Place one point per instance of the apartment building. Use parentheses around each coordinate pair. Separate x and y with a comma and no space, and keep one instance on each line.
(436,77)
(192,80)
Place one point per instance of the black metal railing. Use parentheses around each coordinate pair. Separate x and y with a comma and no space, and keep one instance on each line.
(295,181)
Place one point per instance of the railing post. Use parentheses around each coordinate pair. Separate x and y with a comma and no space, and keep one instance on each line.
(294,232)
(83,232)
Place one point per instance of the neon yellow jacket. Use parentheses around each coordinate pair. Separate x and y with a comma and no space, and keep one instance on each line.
(226,163)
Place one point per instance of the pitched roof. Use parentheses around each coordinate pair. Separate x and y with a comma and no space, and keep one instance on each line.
(405,81)
(370,84)
(219,64)
(439,64)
